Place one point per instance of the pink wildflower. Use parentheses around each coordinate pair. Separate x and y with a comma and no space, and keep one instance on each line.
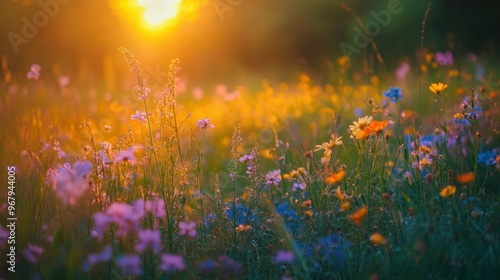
(125,217)
(63,81)
(34,72)
(68,182)
(157,207)
(204,124)
(188,228)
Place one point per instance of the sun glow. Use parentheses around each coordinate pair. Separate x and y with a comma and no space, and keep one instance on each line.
(157,12)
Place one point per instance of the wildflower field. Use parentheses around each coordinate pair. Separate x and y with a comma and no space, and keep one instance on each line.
(385,174)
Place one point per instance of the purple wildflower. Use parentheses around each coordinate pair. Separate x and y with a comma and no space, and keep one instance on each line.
(188,228)
(402,71)
(171,263)
(444,58)
(148,238)
(273,177)
(68,182)
(126,156)
(32,253)
(139,116)
(105,255)
(204,124)
(130,264)
(284,257)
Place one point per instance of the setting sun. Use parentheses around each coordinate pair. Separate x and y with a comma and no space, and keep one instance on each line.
(158,11)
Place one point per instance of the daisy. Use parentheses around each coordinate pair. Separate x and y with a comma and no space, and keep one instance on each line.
(359,125)
(328,146)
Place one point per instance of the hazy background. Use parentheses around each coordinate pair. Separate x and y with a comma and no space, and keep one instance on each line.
(273,39)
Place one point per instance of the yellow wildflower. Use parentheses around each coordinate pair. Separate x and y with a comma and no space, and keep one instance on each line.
(437,88)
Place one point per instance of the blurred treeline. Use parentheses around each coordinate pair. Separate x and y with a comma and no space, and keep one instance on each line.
(257,38)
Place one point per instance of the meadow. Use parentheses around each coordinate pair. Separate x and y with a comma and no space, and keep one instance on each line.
(359,175)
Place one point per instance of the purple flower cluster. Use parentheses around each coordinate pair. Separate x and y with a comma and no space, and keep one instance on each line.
(251,161)
(127,218)
(273,177)
(444,58)
(69,182)
(204,124)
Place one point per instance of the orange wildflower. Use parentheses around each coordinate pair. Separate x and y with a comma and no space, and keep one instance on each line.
(243,228)
(339,194)
(377,239)
(343,60)
(359,215)
(376,127)
(335,177)
(448,191)
(460,91)
(309,213)
(453,73)
(465,178)
(344,206)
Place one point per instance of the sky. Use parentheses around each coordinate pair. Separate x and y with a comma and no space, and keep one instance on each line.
(233,40)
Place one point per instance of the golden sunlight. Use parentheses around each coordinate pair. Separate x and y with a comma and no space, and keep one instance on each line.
(158,11)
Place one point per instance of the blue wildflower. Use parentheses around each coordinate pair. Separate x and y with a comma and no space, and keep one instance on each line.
(243,214)
(394,94)
(358,112)
(288,214)
(210,218)
(330,250)
(430,140)
(479,72)
(488,157)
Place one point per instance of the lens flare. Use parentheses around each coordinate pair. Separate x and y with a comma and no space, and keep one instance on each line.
(157,12)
